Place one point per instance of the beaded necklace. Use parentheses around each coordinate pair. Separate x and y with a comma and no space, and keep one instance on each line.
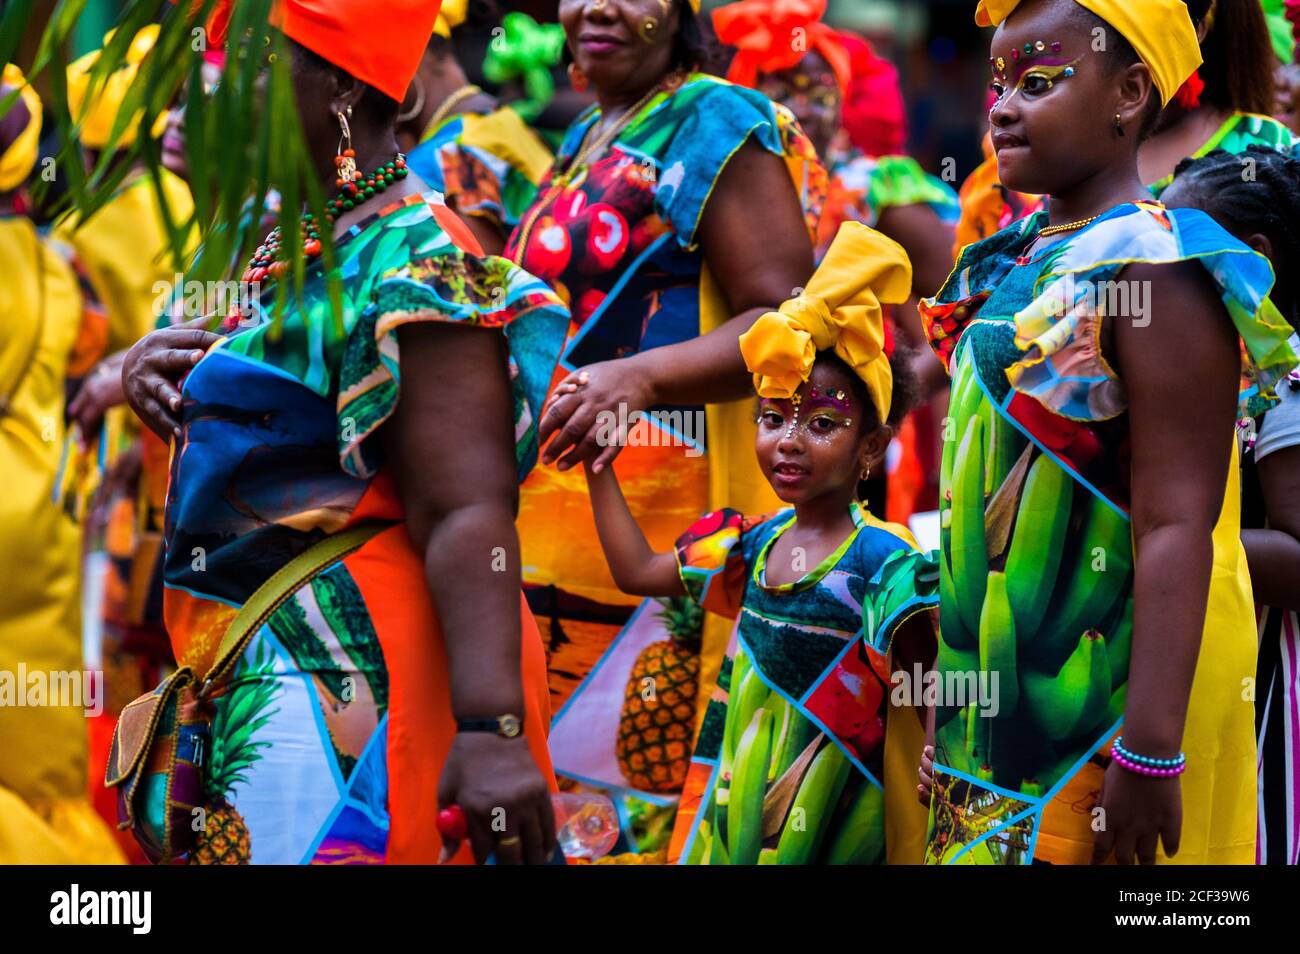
(266,261)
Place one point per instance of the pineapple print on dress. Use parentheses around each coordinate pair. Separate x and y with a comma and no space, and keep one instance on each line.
(658,716)
(240,713)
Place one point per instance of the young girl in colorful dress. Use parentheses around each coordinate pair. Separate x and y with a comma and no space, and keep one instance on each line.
(1262,209)
(789,763)
(1090,528)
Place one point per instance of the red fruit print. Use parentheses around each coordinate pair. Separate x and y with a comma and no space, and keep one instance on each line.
(569,206)
(587,304)
(549,249)
(607,237)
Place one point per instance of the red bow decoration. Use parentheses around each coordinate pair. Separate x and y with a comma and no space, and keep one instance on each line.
(874,113)
(774,35)
(1188,95)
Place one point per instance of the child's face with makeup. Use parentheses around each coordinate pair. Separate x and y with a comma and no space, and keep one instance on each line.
(1051,123)
(811,92)
(814,443)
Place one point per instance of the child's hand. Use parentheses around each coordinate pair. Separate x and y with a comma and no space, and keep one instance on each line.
(925,774)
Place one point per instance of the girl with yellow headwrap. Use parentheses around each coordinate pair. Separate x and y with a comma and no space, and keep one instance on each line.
(1089,515)
(828,600)
(44,814)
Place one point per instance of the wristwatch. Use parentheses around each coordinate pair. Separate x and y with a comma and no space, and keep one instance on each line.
(507,726)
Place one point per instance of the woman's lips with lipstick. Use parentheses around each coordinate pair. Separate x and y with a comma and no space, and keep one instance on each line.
(598,43)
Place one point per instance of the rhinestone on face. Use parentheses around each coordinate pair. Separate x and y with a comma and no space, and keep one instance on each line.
(1069,71)
(1040,46)
(1029,48)
(1015,54)
(1002,64)
(1056,46)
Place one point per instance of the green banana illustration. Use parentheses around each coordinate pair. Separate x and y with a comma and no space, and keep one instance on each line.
(748,786)
(768,856)
(1034,557)
(951,628)
(1073,700)
(806,825)
(998,644)
(1092,587)
(1031,787)
(970,562)
(801,732)
(753,692)
(1115,705)
(860,836)
(1119,647)
(782,718)
(699,853)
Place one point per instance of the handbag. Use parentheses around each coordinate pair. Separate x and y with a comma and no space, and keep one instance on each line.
(157,755)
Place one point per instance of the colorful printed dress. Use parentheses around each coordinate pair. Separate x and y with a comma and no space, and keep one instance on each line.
(862,187)
(486,165)
(328,743)
(619,245)
(1037,567)
(798,736)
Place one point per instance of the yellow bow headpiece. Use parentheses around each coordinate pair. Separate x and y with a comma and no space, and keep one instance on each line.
(1161,32)
(17,160)
(98,110)
(840,309)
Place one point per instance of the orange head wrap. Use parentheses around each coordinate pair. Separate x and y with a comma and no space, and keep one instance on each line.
(774,35)
(381,45)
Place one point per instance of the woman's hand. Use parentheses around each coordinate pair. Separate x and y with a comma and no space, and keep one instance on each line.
(152,371)
(100,390)
(505,799)
(619,387)
(1138,810)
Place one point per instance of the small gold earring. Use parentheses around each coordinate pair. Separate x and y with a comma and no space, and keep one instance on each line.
(864,474)
(1119,127)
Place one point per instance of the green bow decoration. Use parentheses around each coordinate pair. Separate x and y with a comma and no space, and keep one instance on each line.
(525,49)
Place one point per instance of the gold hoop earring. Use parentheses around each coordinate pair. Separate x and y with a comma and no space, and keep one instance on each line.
(346,159)
(864,474)
(407,115)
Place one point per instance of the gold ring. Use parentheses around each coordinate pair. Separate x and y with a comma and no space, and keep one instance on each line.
(512,840)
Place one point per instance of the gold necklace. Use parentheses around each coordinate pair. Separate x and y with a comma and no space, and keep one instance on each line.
(448,104)
(583,157)
(1068,226)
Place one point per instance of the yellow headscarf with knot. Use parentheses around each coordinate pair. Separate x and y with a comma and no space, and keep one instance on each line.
(17,160)
(839,309)
(98,111)
(1161,32)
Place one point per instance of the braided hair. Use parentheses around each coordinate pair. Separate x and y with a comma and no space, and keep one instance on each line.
(1256,192)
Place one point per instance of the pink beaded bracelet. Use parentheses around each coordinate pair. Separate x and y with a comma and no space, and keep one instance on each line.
(1147,769)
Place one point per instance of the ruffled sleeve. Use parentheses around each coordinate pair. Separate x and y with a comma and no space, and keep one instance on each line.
(712,562)
(717,119)
(907,583)
(1059,331)
(440,282)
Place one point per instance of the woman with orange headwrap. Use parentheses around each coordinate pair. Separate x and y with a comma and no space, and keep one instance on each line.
(358,468)
(44,815)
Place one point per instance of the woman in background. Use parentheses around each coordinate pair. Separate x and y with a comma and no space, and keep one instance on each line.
(479,154)
(45,817)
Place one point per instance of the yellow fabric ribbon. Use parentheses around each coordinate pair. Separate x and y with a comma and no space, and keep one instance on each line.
(17,161)
(840,309)
(1161,32)
(451,14)
(98,110)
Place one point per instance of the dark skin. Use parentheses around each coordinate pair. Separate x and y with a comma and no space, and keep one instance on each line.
(811,91)
(1060,140)
(440,75)
(814,467)
(459,507)
(1272,553)
(758,253)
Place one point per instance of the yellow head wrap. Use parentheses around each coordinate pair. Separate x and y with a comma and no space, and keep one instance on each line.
(450,15)
(17,160)
(840,309)
(1161,32)
(97,112)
